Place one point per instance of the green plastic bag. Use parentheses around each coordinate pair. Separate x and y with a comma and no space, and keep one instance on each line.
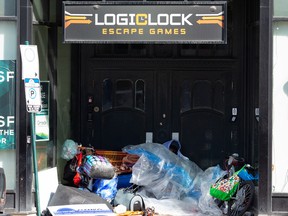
(225,188)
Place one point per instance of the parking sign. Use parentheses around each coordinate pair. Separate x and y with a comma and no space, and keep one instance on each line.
(33,95)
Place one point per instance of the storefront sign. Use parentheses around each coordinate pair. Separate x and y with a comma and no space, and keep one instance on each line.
(42,118)
(153,23)
(7,104)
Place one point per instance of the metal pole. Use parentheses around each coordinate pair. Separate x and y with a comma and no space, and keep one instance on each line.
(24,201)
(35,165)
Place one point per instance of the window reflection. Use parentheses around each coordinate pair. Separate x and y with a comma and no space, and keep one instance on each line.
(124,93)
(8,40)
(140,95)
(219,97)
(280,106)
(280,8)
(186,96)
(7,8)
(202,94)
(107,94)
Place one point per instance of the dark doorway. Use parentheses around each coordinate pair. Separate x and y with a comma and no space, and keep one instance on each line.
(202,94)
(120,109)
(203,113)
(124,101)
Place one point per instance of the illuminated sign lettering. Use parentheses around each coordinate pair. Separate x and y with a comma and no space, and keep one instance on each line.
(143,19)
(152,23)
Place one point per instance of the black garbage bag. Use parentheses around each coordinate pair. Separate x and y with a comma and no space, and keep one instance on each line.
(70,171)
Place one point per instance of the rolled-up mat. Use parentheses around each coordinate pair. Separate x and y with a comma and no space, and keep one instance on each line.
(97,166)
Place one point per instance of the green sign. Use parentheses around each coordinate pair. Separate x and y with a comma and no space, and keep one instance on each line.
(42,118)
(7,104)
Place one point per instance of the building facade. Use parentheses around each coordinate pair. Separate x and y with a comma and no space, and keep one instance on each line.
(215,98)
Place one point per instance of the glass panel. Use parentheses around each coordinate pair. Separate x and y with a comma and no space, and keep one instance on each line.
(107,94)
(140,95)
(124,93)
(186,96)
(7,119)
(8,163)
(219,97)
(40,11)
(7,8)
(40,38)
(202,94)
(280,108)
(7,103)
(63,95)
(280,8)
(121,49)
(43,138)
(8,40)
(138,50)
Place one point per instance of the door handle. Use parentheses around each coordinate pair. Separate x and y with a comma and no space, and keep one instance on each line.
(257,113)
(234,114)
(149,137)
(175,136)
(96,109)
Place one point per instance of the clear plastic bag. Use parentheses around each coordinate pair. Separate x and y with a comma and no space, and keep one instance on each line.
(172,185)
(162,173)
(69,150)
(203,182)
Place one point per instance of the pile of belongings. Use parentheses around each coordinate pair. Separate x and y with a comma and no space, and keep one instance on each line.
(160,181)
(90,169)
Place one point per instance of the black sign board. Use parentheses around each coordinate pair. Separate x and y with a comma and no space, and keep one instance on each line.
(98,22)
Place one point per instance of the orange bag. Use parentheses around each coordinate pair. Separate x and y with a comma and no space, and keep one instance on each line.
(77,177)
